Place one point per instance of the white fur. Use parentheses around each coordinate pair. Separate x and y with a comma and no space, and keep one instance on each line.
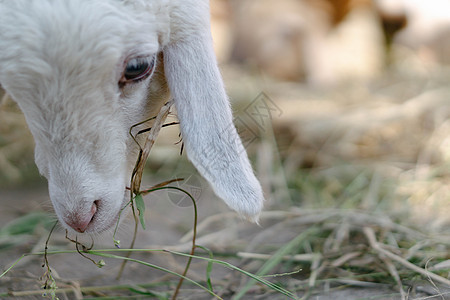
(61,60)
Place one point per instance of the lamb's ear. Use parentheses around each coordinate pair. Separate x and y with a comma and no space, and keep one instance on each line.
(210,138)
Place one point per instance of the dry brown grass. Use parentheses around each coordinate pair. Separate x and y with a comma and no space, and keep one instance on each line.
(396,128)
(365,166)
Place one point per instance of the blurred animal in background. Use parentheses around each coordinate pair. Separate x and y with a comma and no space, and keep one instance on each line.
(426,29)
(323,42)
(327,42)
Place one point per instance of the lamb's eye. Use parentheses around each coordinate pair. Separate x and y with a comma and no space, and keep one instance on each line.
(137,69)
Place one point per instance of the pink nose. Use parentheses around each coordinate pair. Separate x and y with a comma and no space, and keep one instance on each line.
(80,221)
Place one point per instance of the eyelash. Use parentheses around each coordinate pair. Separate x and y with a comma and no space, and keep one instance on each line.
(138,68)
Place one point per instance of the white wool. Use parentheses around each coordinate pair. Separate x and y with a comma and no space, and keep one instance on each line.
(61,61)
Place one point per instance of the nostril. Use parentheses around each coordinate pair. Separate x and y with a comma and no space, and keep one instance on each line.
(80,221)
(94,207)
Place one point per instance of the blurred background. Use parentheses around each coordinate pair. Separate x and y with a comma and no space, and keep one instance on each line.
(341,104)
(351,90)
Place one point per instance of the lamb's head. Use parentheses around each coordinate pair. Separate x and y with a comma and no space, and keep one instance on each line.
(83,72)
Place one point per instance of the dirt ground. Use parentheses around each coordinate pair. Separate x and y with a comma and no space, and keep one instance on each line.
(167,224)
(339,162)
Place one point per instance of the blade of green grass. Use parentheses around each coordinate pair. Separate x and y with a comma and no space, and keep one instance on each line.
(257,278)
(13,265)
(25,224)
(103,253)
(145,292)
(209,267)
(95,289)
(154,267)
(141,208)
(277,258)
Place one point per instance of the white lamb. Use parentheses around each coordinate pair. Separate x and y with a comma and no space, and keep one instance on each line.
(84,71)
